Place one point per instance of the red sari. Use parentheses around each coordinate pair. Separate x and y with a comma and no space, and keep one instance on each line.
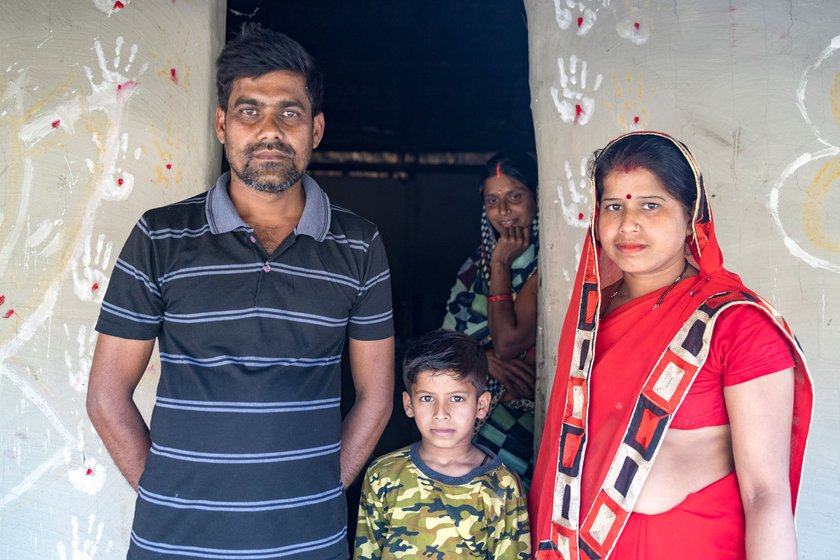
(594,457)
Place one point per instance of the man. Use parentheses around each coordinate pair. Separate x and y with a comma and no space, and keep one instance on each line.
(250,290)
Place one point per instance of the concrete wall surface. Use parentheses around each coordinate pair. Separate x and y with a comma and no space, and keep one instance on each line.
(753,88)
(105,111)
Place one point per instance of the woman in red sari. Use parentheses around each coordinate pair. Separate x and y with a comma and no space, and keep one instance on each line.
(681,404)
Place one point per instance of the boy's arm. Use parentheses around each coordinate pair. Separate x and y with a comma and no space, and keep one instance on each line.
(372,524)
(514,535)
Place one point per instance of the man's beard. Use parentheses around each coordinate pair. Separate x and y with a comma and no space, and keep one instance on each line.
(274,176)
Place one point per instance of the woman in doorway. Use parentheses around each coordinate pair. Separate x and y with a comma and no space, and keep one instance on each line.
(689,368)
(494,300)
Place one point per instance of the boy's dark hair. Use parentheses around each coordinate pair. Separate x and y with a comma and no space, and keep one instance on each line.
(257,51)
(443,351)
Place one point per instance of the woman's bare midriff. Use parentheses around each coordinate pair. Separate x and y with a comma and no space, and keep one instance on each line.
(688,461)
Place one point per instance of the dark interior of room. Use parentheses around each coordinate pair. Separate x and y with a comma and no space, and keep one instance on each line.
(419,94)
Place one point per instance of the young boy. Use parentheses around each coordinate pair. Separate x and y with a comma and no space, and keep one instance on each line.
(443,497)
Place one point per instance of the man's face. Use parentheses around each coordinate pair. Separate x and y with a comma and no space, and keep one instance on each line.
(269,131)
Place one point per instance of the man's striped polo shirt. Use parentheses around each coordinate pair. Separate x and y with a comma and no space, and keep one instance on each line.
(246,427)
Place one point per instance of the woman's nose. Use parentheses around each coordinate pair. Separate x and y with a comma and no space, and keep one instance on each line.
(629,223)
(504,207)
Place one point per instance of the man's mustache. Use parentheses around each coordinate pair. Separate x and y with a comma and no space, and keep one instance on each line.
(275,145)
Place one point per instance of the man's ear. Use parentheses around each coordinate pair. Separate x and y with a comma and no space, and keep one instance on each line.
(483,405)
(220,124)
(317,129)
(409,411)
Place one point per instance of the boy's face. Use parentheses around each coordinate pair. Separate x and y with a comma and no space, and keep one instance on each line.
(445,409)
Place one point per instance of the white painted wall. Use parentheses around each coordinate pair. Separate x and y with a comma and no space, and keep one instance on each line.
(753,88)
(105,111)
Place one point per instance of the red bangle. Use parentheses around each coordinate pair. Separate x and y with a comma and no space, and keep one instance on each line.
(499,297)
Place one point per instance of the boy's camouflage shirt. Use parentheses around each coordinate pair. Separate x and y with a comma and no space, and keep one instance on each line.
(408,510)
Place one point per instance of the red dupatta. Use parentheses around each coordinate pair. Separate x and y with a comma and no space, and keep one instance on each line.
(592,463)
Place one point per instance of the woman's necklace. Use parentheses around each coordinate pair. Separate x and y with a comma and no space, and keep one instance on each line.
(655,305)
(609,301)
(674,283)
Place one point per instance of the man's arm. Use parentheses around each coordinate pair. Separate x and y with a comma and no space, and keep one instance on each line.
(372,366)
(118,365)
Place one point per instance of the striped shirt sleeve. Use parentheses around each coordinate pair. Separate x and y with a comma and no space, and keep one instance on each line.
(133,305)
(372,315)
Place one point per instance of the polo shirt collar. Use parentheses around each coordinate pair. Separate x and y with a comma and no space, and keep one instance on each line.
(314,222)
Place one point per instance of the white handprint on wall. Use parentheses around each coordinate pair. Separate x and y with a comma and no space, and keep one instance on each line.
(633,30)
(573,194)
(79,369)
(110,7)
(89,276)
(108,93)
(89,476)
(116,184)
(570,99)
(87,549)
(579,13)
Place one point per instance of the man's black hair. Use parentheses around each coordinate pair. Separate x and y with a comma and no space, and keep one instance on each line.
(257,51)
(449,353)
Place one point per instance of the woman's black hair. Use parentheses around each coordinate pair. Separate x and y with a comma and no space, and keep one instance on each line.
(658,155)
(256,51)
(516,165)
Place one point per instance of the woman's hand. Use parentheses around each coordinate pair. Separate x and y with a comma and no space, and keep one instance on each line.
(511,243)
(515,375)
